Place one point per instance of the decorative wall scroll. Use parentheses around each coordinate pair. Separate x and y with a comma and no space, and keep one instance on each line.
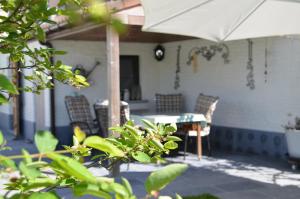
(250,68)
(177,77)
(208,52)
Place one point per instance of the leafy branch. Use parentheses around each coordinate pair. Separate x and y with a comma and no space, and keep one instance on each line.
(38,177)
(24,20)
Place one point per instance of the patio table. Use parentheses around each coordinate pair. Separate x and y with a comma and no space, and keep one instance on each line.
(180,118)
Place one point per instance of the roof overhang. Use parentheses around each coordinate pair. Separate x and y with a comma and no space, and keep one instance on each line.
(130,12)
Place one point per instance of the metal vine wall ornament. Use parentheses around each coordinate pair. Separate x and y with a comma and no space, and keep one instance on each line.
(81,70)
(177,77)
(266,61)
(208,52)
(250,76)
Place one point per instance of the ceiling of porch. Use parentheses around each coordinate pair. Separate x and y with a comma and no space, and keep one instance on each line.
(130,13)
(92,32)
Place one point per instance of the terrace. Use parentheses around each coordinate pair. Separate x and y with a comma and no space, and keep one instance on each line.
(225,175)
(249,148)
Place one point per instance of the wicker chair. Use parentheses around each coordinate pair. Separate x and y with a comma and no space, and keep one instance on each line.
(80,115)
(101,112)
(205,105)
(168,103)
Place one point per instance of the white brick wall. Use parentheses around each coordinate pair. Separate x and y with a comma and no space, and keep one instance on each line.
(4,63)
(85,53)
(264,108)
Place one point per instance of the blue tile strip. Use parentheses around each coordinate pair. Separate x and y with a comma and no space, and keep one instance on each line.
(246,141)
(6,126)
(6,122)
(249,141)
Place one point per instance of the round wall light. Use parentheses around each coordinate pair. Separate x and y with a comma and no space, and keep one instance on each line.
(159,52)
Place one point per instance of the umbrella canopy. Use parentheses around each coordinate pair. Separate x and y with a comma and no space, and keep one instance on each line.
(223,20)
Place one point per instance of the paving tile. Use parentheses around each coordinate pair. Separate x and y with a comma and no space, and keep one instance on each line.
(279,192)
(189,190)
(240,186)
(229,176)
(243,195)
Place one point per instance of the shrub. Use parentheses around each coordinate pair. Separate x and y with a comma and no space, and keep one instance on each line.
(40,175)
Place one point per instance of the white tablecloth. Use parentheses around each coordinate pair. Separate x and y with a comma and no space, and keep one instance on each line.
(168,118)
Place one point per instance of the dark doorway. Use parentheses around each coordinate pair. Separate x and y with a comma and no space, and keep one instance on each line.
(130,75)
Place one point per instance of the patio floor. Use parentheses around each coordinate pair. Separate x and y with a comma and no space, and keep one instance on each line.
(225,175)
(229,176)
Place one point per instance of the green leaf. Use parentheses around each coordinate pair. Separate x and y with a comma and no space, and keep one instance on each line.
(141,157)
(171,145)
(79,134)
(177,196)
(130,123)
(156,143)
(45,141)
(174,138)
(150,131)
(44,195)
(118,26)
(1,138)
(59,52)
(171,128)
(40,33)
(3,99)
(159,179)
(16,196)
(149,124)
(7,85)
(39,183)
(98,11)
(127,185)
(101,144)
(8,163)
(117,129)
(37,164)
(29,172)
(75,141)
(90,189)
(27,157)
(118,189)
(135,132)
(72,167)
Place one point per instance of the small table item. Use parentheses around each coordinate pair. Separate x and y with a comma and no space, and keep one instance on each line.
(180,118)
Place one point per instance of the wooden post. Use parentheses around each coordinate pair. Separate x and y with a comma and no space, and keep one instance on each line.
(199,141)
(113,82)
(16,102)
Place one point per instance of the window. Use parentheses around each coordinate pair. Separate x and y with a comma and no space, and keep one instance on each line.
(129,76)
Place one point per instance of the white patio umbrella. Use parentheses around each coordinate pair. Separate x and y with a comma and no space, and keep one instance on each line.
(223,20)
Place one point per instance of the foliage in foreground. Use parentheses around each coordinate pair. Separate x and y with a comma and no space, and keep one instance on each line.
(23,21)
(41,175)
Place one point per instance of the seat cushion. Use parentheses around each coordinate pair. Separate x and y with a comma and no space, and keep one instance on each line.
(170,103)
(204,132)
